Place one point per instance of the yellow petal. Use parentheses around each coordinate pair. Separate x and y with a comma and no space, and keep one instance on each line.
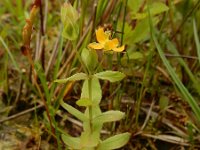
(119,49)
(95,45)
(111,44)
(101,35)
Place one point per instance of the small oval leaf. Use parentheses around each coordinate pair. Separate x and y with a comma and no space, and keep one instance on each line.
(112,76)
(109,116)
(74,112)
(75,77)
(114,142)
(96,91)
(84,102)
(163,102)
(72,142)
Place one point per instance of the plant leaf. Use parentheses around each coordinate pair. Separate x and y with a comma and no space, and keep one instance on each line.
(72,142)
(74,112)
(88,140)
(135,5)
(163,102)
(96,91)
(109,116)
(84,102)
(155,9)
(75,77)
(112,76)
(114,142)
(142,30)
(139,33)
(132,56)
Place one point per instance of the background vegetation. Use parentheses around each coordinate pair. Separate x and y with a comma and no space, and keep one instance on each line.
(159,95)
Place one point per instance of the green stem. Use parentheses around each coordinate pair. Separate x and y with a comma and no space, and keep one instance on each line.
(90,107)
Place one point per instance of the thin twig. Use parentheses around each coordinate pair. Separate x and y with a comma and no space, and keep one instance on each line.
(183,56)
(166,122)
(21,113)
(53,56)
(168,138)
(19,90)
(148,115)
(165,74)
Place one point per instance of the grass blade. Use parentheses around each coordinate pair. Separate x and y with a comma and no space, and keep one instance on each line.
(184,65)
(185,93)
(10,54)
(196,38)
(188,97)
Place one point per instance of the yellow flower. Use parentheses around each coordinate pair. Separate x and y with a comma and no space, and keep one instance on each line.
(104,41)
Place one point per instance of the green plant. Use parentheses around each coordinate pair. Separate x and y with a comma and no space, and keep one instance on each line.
(93,118)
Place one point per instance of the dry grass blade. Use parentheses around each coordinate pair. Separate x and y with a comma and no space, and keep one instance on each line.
(168,138)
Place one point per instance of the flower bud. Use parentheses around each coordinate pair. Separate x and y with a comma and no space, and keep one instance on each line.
(69,18)
(90,59)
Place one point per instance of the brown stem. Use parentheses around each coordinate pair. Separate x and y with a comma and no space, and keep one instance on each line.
(42,33)
(26,50)
(40,92)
